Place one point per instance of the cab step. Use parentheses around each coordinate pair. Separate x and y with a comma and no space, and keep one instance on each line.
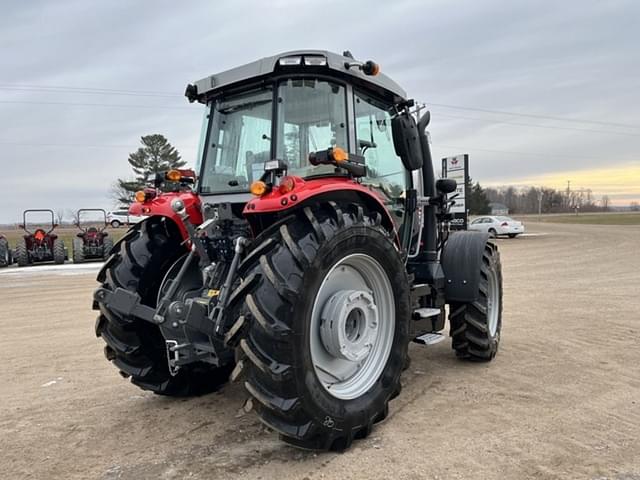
(429,338)
(424,313)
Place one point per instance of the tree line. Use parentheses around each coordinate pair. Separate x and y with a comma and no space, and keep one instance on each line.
(535,199)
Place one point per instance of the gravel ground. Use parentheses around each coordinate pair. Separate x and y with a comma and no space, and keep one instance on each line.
(561,400)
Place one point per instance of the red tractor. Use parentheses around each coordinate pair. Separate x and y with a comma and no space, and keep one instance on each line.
(6,256)
(92,242)
(39,245)
(310,250)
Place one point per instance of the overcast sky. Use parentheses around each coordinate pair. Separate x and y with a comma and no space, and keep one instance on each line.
(573,59)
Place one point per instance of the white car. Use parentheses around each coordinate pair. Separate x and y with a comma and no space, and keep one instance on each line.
(497,225)
(122,217)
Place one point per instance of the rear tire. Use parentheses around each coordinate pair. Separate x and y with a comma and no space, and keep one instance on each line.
(78,250)
(476,326)
(138,347)
(115,223)
(107,246)
(513,235)
(5,253)
(59,254)
(22,255)
(279,353)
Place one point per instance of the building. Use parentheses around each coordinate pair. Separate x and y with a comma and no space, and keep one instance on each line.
(498,209)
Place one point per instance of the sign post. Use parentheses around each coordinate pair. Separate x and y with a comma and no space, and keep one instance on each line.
(457,168)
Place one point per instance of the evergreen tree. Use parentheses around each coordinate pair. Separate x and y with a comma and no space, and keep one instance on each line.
(156,155)
(477,203)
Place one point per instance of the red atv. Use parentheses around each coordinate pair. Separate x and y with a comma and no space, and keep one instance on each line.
(6,256)
(39,245)
(92,243)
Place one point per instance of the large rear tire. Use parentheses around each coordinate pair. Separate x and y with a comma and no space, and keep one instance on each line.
(22,255)
(135,346)
(78,250)
(476,326)
(107,246)
(5,253)
(59,254)
(328,325)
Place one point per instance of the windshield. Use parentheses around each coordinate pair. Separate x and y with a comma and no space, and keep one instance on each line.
(239,142)
(312,116)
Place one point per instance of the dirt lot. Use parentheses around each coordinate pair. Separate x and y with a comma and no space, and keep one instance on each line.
(561,400)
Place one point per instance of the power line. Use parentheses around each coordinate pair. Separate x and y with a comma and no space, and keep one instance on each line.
(73,145)
(511,152)
(111,91)
(87,90)
(531,115)
(77,104)
(549,127)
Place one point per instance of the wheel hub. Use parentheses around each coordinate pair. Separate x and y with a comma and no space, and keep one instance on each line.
(349,324)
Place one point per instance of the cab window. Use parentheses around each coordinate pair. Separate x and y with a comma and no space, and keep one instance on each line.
(312,116)
(375,142)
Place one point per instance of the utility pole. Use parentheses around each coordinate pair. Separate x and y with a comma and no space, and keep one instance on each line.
(540,195)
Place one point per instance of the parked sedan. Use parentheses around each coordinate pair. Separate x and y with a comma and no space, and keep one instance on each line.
(497,225)
(122,217)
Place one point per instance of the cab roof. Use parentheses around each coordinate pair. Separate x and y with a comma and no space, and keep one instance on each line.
(268,66)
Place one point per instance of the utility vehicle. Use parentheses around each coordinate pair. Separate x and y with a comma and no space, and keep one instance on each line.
(39,245)
(92,242)
(310,250)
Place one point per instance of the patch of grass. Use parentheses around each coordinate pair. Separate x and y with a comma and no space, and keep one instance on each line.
(592,218)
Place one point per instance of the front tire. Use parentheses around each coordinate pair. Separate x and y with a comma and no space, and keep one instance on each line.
(136,347)
(292,358)
(115,223)
(476,326)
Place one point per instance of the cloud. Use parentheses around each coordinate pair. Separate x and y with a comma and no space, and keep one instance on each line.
(573,59)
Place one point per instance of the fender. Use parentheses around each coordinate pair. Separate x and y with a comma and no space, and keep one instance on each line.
(302,191)
(461,262)
(161,206)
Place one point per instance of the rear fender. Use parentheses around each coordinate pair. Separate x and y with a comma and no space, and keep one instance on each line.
(461,262)
(160,206)
(269,207)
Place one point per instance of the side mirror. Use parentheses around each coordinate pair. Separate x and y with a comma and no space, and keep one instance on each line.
(446,185)
(406,141)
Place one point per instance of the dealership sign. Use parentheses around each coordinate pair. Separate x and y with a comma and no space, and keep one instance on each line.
(457,168)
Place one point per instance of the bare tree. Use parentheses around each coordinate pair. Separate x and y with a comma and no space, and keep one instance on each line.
(634,206)
(605,202)
(60,215)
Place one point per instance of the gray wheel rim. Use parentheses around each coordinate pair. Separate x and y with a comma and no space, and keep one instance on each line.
(493,301)
(352,326)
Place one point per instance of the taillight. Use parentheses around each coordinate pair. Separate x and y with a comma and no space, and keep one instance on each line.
(286,185)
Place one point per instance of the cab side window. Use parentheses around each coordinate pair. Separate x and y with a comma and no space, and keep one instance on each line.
(375,142)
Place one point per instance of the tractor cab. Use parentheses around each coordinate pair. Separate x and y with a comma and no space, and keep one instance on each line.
(292,107)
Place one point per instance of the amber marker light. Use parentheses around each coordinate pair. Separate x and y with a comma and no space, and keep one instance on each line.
(173,176)
(258,188)
(339,155)
(140,196)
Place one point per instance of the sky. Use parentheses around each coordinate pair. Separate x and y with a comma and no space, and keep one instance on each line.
(537,93)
